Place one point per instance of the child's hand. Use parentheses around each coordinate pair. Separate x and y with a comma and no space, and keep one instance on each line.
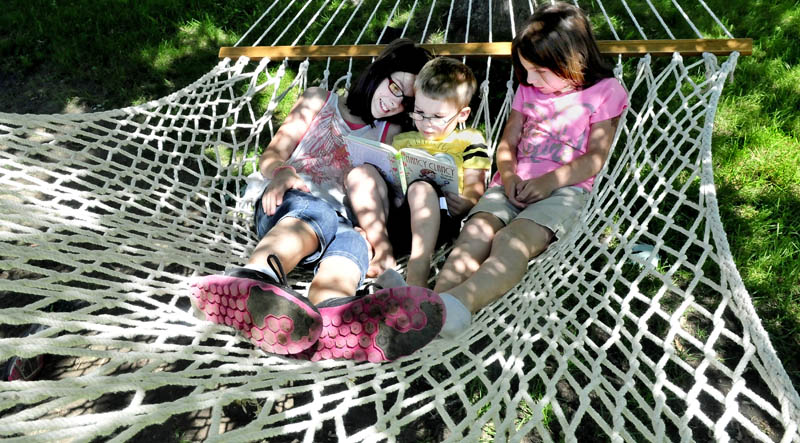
(535,189)
(457,204)
(510,184)
(283,181)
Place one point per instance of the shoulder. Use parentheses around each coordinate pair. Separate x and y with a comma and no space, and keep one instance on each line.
(315,97)
(469,136)
(526,92)
(608,99)
(407,138)
(316,92)
(392,133)
(312,99)
(608,87)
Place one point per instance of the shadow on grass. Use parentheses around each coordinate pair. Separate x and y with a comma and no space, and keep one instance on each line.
(86,54)
(754,229)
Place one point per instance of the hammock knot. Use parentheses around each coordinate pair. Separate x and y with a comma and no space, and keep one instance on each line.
(485,88)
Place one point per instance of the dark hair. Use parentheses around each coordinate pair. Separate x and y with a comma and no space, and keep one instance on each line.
(401,55)
(559,37)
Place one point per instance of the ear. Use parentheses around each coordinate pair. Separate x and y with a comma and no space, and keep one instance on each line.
(463,114)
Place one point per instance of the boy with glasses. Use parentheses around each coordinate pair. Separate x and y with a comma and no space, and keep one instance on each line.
(427,217)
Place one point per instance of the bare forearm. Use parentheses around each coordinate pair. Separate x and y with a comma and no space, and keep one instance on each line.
(474,186)
(268,161)
(506,149)
(589,164)
(578,170)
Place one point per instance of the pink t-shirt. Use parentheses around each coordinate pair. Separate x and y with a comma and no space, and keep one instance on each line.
(555,128)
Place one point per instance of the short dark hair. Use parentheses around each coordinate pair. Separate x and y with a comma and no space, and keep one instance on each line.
(401,55)
(559,37)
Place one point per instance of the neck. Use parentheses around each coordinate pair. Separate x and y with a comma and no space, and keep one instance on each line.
(349,116)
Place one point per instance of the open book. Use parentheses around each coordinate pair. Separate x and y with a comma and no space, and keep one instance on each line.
(400,168)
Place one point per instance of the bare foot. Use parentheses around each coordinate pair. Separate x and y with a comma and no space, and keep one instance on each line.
(378,261)
(382,261)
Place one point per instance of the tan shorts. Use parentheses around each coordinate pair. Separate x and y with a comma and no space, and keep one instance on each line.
(559,212)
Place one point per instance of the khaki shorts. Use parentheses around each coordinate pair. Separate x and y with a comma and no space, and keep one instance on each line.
(559,212)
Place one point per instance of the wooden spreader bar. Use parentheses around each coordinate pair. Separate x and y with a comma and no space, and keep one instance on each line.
(625,48)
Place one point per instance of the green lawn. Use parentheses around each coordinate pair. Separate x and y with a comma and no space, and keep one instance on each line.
(88,54)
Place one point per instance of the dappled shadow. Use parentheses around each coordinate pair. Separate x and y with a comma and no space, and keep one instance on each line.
(108,60)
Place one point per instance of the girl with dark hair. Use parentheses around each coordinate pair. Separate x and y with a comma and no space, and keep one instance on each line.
(302,219)
(558,136)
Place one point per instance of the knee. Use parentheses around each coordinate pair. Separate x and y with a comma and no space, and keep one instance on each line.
(481,227)
(528,242)
(421,188)
(364,175)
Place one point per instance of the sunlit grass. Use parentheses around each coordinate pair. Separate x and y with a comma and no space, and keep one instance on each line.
(192,36)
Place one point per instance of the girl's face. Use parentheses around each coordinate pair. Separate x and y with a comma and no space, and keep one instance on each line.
(544,79)
(391,93)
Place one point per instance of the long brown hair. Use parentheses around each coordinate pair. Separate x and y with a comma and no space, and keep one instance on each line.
(559,37)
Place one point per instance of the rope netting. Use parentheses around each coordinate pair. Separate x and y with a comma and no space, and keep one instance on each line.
(636,326)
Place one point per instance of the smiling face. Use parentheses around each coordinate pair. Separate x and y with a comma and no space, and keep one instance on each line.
(391,94)
(544,79)
(435,119)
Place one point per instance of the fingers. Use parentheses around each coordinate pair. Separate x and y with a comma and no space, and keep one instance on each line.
(271,200)
(517,203)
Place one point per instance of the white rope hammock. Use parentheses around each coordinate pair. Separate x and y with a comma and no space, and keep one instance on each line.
(635,327)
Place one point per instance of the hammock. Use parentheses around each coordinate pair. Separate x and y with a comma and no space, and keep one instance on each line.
(634,327)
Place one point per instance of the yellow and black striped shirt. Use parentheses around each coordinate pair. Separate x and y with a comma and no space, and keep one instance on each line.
(467,147)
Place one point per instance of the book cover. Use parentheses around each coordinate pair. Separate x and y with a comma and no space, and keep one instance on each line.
(440,168)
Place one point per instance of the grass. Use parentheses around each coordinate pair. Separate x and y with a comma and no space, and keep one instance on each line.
(91,55)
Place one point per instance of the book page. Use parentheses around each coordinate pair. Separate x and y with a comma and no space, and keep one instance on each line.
(420,164)
(380,155)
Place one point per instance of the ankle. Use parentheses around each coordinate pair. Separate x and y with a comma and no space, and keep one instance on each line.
(457,317)
(418,270)
(264,269)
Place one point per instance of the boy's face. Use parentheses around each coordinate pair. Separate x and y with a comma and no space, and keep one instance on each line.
(435,119)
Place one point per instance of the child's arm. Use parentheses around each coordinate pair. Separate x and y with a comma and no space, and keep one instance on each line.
(474,187)
(507,155)
(601,134)
(283,144)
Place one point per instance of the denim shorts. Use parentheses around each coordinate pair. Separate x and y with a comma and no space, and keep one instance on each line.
(335,232)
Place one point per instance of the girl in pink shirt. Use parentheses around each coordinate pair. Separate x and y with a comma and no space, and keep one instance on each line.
(558,136)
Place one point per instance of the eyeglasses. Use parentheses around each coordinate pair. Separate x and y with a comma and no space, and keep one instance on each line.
(435,121)
(397,91)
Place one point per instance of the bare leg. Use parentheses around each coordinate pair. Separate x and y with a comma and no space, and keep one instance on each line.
(274,319)
(369,199)
(336,277)
(512,247)
(471,249)
(425,221)
(290,240)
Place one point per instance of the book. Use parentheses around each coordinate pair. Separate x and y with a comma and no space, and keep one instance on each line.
(401,168)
